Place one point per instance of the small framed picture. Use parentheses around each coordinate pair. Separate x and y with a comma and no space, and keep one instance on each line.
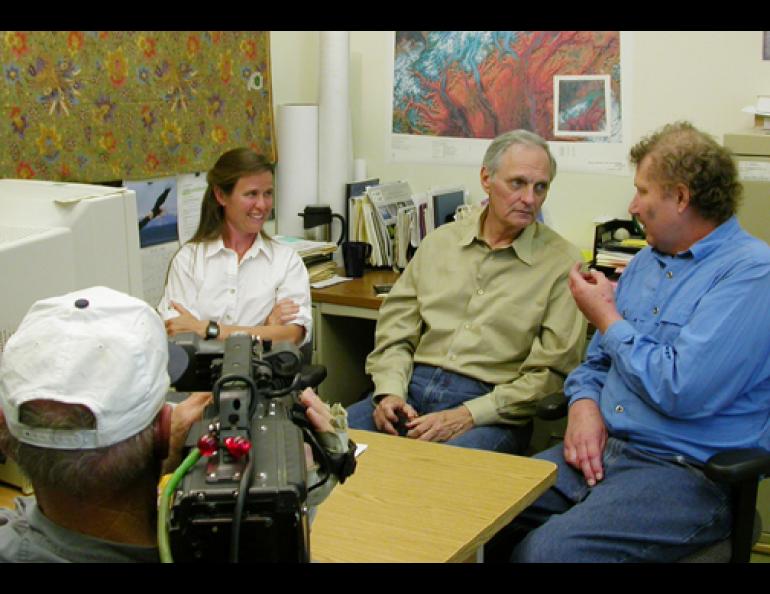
(582,105)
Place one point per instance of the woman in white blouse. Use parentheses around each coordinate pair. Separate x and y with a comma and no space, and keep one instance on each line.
(231,276)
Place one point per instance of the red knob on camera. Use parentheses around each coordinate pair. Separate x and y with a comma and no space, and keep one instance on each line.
(237,446)
(208,445)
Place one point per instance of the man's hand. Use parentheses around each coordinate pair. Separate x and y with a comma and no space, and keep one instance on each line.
(317,411)
(441,426)
(585,439)
(184,415)
(284,312)
(386,413)
(319,415)
(595,297)
(185,322)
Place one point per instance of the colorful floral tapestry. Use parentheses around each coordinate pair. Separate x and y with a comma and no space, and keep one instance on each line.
(93,106)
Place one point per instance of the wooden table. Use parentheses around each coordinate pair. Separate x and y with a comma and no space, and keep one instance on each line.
(414,501)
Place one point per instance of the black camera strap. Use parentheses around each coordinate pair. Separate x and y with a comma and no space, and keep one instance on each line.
(343,464)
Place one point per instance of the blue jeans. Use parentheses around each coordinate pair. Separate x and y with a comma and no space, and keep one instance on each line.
(646,509)
(433,389)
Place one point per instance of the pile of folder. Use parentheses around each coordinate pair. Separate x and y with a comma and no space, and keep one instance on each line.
(318,256)
(394,220)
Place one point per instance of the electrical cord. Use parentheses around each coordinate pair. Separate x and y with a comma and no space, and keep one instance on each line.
(217,387)
(243,491)
(165,504)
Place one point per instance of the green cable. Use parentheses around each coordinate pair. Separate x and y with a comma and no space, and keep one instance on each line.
(165,499)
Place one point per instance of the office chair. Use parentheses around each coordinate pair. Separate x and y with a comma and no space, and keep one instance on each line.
(741,469)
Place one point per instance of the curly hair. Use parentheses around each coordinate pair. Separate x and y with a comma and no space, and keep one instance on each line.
(680,153)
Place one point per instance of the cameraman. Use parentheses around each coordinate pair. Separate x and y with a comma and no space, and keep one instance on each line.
(83,384)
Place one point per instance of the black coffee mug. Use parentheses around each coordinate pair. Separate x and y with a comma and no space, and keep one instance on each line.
(354,255)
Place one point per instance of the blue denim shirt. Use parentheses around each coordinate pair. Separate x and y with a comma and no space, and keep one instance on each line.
(687,371)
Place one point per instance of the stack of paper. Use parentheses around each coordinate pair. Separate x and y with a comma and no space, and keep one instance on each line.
(305,247)
(322,271)
(612,259)
(317,255)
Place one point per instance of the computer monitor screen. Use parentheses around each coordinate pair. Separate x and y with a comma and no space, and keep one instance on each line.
(445,203)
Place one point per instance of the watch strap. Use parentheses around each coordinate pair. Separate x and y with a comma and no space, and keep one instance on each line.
(212,330)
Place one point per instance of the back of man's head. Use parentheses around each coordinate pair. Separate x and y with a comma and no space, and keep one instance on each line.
(82,381)
(682,154)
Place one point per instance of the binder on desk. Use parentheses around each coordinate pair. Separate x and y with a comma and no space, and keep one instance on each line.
(406,222)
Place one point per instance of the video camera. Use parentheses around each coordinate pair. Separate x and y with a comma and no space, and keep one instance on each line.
(245,498)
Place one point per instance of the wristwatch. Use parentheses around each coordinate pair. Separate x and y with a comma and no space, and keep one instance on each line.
(212,330)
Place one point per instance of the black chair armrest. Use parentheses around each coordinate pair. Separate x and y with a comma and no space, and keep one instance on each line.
(552,407)
(735,466)
(741,469)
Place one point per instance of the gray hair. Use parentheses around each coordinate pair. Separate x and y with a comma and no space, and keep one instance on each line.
(79,472)
(503,142)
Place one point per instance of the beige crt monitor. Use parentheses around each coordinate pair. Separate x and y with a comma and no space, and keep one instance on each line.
(59,237)
(751,150)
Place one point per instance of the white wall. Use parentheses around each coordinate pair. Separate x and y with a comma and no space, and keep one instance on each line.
(706,77)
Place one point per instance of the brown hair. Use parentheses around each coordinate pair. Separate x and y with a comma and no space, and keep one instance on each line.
(229,168)
(680,153)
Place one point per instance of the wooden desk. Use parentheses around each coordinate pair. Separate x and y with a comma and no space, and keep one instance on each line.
(344,321)
(358,293)
(414,501)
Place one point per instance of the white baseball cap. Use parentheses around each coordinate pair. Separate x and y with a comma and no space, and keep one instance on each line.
(96,347)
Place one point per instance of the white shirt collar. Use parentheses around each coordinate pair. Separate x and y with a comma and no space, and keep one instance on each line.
(260,245)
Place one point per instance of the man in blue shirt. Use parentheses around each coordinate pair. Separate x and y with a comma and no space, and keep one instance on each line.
(678,370)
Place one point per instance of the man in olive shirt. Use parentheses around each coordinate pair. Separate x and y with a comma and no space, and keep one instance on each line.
(481,324)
